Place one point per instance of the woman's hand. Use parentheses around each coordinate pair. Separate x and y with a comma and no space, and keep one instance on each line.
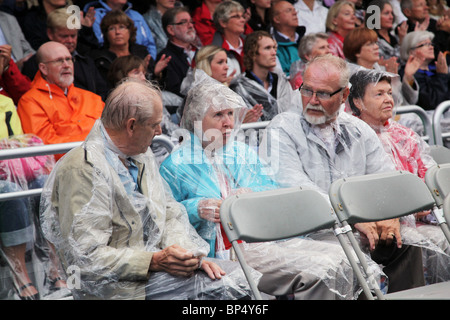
(253,114)
(390,64)
(412,65)
(441,64)
(402,30)
(209,209)
(212,270)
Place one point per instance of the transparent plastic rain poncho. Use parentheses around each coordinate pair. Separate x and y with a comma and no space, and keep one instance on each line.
(105,230)
(301,154)
(202,176)
(198,176)
(404,95)
(167,125)
(409,152)
(25,256)
(254,93)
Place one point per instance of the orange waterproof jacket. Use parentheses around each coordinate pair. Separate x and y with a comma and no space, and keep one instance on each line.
(56,118)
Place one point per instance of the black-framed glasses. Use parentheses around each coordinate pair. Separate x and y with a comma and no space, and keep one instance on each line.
(319,94)
(428,44)
(183,22)
(60,61)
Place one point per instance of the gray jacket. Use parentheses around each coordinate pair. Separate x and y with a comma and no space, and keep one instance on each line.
(300,157)
(98,223)
(14,36)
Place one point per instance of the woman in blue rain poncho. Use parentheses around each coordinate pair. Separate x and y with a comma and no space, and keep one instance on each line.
(211,162)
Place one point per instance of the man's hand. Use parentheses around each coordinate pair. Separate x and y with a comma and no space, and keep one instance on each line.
(382,232)
(180,262)
(369,229)
(388,230)
(176,261)
(162,63)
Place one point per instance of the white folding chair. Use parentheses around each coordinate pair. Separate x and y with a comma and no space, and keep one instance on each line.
(378,197)
(437,179)
(440,154)
(273,215)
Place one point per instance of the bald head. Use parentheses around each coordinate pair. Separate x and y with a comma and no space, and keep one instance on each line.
(332,66)
(283,15)
(132,98)
(55,63)
(132,116)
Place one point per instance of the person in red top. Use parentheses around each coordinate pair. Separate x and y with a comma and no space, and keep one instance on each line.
(202,17)
(54,109)
(341,19)
(373,103)
(13,83)
(231,24)
(371,100)
(204,21)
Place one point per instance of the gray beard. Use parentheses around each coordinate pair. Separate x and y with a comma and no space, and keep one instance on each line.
(317,120)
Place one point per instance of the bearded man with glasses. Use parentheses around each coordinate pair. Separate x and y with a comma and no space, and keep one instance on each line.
(54,109)
(182,47)
(322,143)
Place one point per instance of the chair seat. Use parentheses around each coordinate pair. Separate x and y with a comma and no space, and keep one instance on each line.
(436,291)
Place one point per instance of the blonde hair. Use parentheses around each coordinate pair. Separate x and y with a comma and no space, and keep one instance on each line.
(204,57)
(58,19)
(333,12)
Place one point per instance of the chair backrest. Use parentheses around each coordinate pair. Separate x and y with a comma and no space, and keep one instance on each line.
(446,210)
(440,154)
(275,214)
(380,196)
(437,179)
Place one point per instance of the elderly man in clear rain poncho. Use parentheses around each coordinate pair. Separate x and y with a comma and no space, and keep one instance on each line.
(114,222)
(212,163)
(371,100)
(321,144)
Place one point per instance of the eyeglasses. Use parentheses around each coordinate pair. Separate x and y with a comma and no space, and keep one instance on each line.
(428,44)
(319,94)
(115,28)
(237,16)
(60,61)
(183,22)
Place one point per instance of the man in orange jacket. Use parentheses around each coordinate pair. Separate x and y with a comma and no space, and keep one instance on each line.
(54,109)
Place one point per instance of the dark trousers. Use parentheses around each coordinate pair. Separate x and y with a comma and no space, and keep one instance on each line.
(403,266)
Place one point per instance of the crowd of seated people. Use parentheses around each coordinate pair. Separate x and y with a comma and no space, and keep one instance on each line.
(58,79)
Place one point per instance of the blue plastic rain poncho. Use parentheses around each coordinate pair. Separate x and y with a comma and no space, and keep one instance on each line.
(197,174)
